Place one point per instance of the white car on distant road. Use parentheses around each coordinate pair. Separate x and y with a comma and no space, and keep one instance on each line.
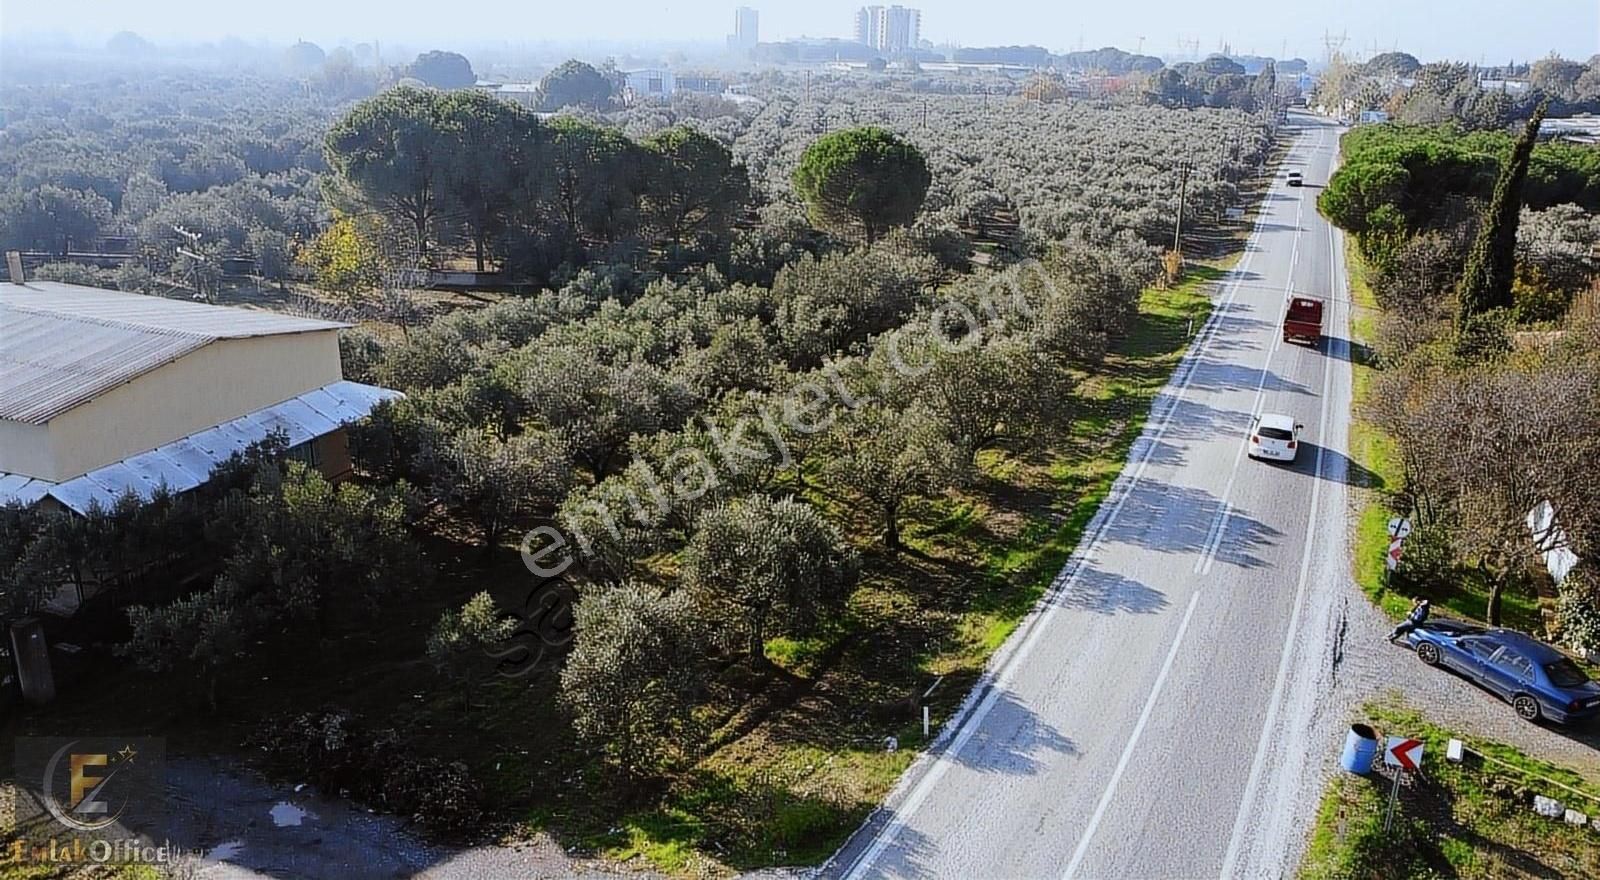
(1274,436)
(1295,179)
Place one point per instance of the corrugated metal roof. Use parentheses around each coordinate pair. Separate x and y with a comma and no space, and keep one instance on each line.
(153,312)
(187,462)
(22,490)
(62,345)
(50,364)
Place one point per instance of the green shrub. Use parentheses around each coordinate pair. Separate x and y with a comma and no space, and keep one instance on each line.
(345,757)
(1579,610)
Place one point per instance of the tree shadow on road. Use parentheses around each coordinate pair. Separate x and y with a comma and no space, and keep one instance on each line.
(1183,419)
(1106,593)
(1012,740)
(1212,375)
(909,855)
(1279,227)
(1182,520)
(1232,332)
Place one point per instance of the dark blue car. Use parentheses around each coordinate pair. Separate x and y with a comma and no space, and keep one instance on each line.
(1538,681)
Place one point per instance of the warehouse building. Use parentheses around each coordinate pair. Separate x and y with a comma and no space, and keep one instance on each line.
(104,393)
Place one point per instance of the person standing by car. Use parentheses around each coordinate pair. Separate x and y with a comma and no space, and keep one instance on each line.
(1419,613)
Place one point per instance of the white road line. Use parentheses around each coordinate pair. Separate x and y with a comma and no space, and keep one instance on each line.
(972,721)
(1219,528)
(1133,741)
(1263,743)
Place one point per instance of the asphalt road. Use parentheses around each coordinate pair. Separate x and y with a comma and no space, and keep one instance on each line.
(1161,714)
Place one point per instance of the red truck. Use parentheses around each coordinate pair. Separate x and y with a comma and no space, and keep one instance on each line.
(1302,320)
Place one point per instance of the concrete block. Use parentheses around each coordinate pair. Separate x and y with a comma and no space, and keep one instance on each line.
(1573,817)
(1549,807)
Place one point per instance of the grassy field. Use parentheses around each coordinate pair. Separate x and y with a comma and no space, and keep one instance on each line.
(1470,820)
(1375,451)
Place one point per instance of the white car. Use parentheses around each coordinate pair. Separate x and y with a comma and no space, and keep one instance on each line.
(1274,436)
(1295,179)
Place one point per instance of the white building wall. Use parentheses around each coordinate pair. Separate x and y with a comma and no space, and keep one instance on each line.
(222,381)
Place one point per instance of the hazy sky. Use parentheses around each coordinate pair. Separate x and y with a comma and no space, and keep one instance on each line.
(1494,30)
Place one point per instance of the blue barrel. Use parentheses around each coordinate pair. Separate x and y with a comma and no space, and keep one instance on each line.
(1360,747)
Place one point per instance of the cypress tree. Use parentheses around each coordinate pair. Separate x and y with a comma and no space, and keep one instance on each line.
(1486,283)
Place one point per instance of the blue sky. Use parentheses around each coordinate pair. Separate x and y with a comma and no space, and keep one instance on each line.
(1493,30)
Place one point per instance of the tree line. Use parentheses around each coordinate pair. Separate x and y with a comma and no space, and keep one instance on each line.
(1476,97)
(1480,252)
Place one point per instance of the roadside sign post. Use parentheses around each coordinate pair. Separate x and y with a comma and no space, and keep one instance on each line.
(926,725)
(1404,754)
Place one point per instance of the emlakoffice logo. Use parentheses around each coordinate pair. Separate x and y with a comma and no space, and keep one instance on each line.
(88,805)
(87,784)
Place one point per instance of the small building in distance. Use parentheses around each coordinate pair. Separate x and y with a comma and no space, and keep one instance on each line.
(655,83)
(524,93)
(1577,129)
(702,83)
(649,83)
(105,393)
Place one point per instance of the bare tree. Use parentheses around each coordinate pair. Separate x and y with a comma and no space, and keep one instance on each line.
(1498,443)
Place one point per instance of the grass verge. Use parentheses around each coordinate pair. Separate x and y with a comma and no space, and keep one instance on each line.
(1470,820)
(1370,447)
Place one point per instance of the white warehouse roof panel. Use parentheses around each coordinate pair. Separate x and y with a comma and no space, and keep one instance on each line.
(62,345)
(187,462)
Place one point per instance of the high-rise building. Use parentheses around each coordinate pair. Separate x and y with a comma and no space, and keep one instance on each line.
(746,29)
(889,29)
(867,25)
(901,29)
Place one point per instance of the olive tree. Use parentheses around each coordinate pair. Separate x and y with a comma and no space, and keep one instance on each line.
(885,456)
(461,640)
(981,390)
(633,675)
(202,633)
(499,483)
(597,406)
(767,567)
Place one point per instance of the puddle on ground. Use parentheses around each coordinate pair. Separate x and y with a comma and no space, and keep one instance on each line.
(285,814)
(225,851)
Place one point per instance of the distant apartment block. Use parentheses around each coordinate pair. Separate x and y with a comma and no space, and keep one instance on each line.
(746,29)
(867,25)
(889,29)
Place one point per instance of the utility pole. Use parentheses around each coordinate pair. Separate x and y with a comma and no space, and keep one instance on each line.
(1183,191)
(924,112)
